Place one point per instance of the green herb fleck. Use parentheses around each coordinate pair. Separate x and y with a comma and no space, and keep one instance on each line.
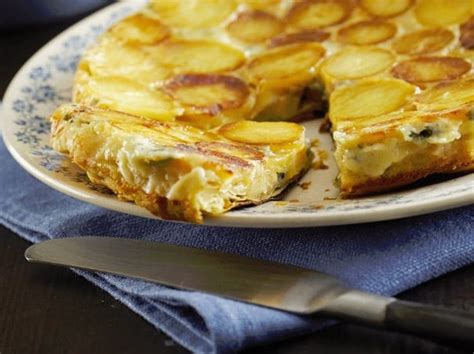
(424,134)
(281,176)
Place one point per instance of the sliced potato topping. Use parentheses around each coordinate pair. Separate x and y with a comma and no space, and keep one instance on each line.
(367,32)
(446,95)
(298,37)
(423,41)
(200,120)
(443,12)
(262,133)
(467,34)
(255,26)
(199,56)
(128,96)
(312,14)
(110,55)
(386,8)
(354,63)
(260,4)
(209,93)
(193,13)
(431,69)
(286,62)
(140,29)
(115,59)
(368,98)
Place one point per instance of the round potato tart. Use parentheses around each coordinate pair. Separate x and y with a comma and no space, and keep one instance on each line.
(188,107)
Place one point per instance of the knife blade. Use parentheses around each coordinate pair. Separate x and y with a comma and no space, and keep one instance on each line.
(274,285)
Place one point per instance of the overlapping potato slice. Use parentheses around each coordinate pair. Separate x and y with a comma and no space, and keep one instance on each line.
(355,63)
(386,8)
(367,32)
(193,13)
(423,41)
(287,64)
(446,95)
(112,58)
(467,34)
(312,14)
(262,133)
(255,26)
(367,99)
(431,69)
(260,4)
(198,56)
(443,12)
(298,37)
(208,93)
(124,95)
(140,29)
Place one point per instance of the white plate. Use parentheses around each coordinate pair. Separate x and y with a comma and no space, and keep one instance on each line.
(45,81)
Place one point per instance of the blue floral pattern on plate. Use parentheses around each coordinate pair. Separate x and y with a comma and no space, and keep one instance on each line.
(46,82)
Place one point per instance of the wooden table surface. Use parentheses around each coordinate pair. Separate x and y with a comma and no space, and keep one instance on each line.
(52,310)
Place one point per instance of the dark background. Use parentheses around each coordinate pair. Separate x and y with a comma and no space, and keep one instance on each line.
(51,310)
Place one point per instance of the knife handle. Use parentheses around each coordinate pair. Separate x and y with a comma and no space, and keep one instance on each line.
(454,328)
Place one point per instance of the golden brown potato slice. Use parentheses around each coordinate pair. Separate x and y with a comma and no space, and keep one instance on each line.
(111,58)
(423,41)
(367,32)
(208,93)
(124,95)
(198,56)
(355,63)
(255,26)
(262,133)
(298,37)
(443,12)
(367,99)
(386,8)
(312,14)
(292,62)
(260,4)
(431,69)
(193,14)
(446,95)
(140,29)
(467,34)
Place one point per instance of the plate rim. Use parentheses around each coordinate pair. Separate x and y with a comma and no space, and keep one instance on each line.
(256,220)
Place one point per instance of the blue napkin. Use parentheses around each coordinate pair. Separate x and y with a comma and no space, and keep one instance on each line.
(385,258)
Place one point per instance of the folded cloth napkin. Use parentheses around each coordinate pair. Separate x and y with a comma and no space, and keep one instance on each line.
(385,258)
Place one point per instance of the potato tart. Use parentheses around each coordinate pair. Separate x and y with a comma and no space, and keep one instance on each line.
(396,75)
(178,171)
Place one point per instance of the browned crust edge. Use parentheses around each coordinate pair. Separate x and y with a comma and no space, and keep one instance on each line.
(383,184)
(165,208)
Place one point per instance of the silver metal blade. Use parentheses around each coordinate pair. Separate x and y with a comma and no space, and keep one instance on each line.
(264,283)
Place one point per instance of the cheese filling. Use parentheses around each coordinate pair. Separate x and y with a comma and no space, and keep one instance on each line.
(164,170)
(374,160)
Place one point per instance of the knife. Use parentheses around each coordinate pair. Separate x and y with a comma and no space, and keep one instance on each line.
(269,284)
